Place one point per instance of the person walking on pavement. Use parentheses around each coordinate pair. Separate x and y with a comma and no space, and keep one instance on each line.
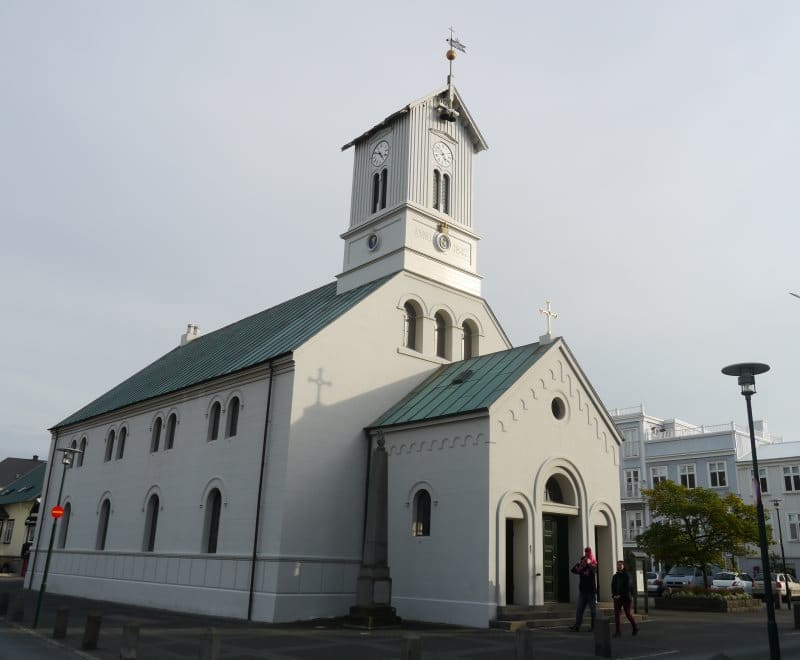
(586,570)
(621,589)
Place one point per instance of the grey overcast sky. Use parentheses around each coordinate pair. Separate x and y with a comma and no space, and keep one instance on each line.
(167,162)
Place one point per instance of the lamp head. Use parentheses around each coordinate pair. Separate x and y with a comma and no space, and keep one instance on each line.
(746,373)
(69,454)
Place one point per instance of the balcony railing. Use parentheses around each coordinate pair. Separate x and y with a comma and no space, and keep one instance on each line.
(629,535)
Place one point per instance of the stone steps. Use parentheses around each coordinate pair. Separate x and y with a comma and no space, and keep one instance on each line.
(551,615)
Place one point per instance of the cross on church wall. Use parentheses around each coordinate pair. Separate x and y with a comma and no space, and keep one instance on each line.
(547,312)
(319,381)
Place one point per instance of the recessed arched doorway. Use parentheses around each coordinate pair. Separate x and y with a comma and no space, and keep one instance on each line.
(559,531)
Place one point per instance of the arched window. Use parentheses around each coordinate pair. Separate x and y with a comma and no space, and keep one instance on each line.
(211,526)
(73,445)
(233,418)
(440,334)
(384,177)
(376,191)
(213,421)
(110,445)
(410,330)
(470,340)
(156,439)
(82,455)
(151,524)
(422,514)
(123,436)
(552,491)
(169,440)
(102,525)
(437,188)
(64,525)
(446,193)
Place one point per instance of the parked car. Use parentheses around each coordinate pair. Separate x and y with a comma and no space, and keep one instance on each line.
(782,584)
(729,580)
(680,577)
(655,583)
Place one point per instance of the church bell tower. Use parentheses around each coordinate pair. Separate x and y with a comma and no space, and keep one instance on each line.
(411,206)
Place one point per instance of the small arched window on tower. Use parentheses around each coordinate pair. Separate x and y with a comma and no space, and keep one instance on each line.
(446,193)
(82,455)
(421,526)
(110,445)
(102,525)
(410,329)
(384,178)
(151,524)
(233,418)
(211,527)
(440,334)
(172,422)
(437,189)
(470,340)
(155,441)
(213,421)
(376,191)
(123,436)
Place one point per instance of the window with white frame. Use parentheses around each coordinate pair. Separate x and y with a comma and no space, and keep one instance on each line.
(630,446)
(658,474)
(791,477)
(9,531)
(631,483)
(634,522)
(762,479)
(717,475)
(794,523)
(687,475)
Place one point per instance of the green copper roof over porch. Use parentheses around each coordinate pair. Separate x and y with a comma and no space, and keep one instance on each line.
(462,387)
(256,339)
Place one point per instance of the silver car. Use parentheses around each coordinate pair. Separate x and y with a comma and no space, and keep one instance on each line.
(728,580)
(680,577)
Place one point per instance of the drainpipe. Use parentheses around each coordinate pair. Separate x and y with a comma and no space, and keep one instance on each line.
(366,491)
(40,518)
(260,490)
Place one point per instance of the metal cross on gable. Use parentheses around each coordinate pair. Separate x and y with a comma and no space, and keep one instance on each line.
(546,311)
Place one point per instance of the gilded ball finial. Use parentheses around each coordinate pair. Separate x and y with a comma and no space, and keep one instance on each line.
(451,55)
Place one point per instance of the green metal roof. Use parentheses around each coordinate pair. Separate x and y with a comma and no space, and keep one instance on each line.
(28,487)
(276,331)
(463,387)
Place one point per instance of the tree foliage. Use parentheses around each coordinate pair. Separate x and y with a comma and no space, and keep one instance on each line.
(696,526)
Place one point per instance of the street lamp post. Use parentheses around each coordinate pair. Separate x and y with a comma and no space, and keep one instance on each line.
(777,504)
(66,461)
(746,373)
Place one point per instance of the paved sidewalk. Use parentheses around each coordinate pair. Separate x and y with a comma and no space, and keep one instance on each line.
(173,636)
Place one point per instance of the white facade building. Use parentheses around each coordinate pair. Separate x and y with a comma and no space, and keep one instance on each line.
(229,476)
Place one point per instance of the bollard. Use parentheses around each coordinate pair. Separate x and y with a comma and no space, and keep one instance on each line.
(130,641)
(602,637)
(209,647)
(411,648)
(523,638)
(91,633)
(5,598)
(16,610)
(60,627)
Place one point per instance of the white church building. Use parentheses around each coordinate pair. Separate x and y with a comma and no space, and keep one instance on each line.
(230,476)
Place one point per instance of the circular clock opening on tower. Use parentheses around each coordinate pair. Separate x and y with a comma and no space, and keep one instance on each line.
(558,407)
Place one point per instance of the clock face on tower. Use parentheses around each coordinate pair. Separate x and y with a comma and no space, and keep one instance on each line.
(380,153)
(442,154)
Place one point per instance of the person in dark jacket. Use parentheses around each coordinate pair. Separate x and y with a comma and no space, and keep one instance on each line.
(586,569)
(621,589)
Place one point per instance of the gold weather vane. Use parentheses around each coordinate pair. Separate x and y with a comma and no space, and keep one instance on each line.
(446,110)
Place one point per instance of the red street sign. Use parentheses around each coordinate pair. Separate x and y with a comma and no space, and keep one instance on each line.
(57,511)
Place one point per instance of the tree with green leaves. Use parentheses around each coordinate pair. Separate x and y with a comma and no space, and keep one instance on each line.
(697,526)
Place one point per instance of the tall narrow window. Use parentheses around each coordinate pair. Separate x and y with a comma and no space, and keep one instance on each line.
(110,445)
(410,332)
(630,448)
(102,525)
(658,474)
(635,523)
(376,191)
(169,440)
(791,478)
(470,340)
(233,417)
(123,436)
(437,188)
(793,520)
(9,533)
(440,334)
(422,514)
(384,177)
(631,483)
(687,475)
(446,193)
(63,524)
(762,478)
(156,439)
(211,527)
(151,524)
(213,421)
(73,445)
(82,455)
(717,475)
